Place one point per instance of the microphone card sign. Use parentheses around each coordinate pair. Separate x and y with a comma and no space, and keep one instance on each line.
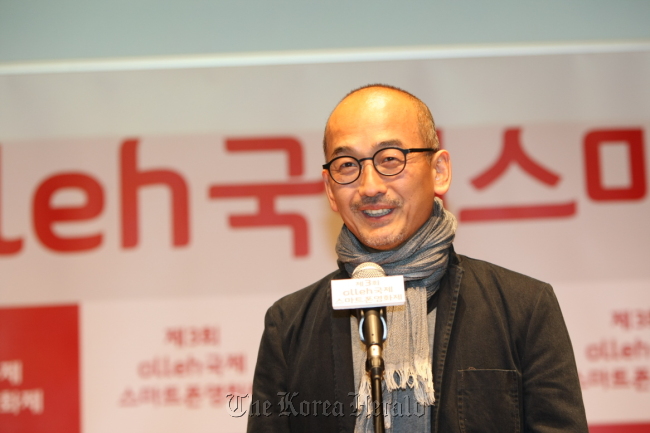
(368,292)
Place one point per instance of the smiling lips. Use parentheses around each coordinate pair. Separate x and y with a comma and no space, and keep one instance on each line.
(376,207)
(377,212)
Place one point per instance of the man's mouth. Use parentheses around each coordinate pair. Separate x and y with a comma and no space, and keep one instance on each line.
(375,213)
(376,207)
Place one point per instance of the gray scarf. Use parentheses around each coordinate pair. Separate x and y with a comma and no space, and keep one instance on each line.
(422,260)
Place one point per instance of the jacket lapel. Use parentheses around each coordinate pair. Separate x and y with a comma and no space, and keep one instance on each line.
(343,379)
(447,303)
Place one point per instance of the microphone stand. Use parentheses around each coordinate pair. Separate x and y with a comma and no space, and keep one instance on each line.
(373,332)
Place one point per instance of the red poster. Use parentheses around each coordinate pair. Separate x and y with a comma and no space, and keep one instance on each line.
(39,369)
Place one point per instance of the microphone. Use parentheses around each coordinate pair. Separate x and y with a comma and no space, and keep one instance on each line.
(372,322)
(373,331)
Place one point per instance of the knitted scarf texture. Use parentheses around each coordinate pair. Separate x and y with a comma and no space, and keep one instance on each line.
(422,260)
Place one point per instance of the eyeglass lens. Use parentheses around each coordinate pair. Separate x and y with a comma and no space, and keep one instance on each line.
(389,162)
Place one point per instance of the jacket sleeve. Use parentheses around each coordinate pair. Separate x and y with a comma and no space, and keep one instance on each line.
(270,379)
(552,396)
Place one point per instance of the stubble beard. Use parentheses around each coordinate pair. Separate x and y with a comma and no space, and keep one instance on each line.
(382,242)
(385,241)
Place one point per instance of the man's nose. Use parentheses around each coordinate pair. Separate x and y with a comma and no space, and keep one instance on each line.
(371,182)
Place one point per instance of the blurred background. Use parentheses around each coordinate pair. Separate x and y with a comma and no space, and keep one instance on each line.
(64,30)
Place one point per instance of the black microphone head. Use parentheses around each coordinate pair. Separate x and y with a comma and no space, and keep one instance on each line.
(368,270)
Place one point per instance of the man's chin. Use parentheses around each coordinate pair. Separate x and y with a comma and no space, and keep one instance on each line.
(382,242)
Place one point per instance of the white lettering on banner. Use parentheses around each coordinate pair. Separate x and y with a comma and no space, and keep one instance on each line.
(14,401)
(368,292)
(32,399)
(12,371)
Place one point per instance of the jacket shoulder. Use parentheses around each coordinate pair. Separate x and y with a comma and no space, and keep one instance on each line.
(486,285)
(485,274)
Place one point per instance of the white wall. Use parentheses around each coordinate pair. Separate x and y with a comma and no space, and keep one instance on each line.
(32,30)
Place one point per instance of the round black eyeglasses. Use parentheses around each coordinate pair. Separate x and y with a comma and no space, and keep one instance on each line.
(389,161)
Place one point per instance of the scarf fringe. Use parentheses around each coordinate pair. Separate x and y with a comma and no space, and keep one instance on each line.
(419,379)
(422,260)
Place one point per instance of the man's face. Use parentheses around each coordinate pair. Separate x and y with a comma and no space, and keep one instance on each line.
(381,211)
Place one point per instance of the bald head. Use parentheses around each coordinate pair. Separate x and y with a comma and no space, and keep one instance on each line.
(383,211)
(373,93)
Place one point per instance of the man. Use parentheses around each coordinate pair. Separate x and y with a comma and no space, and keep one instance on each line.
(476,348)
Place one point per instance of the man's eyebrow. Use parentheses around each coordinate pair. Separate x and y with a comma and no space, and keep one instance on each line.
(342,150)
(388,143)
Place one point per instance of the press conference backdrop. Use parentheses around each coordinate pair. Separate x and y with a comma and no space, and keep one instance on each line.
(151,212)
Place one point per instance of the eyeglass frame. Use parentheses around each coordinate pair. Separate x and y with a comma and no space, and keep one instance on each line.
(372,158)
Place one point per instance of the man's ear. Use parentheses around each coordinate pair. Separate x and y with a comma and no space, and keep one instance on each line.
(442,172)
(328,190)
